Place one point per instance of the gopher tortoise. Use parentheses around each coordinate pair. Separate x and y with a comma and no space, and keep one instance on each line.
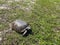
(20,26)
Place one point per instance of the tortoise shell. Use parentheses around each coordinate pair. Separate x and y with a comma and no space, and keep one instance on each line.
(19,25)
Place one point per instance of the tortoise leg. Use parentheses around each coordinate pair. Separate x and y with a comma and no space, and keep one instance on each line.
(24,32)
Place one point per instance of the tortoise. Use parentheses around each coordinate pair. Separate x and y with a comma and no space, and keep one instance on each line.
(20,26)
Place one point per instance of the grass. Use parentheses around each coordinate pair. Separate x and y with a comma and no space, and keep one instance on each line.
(44,19)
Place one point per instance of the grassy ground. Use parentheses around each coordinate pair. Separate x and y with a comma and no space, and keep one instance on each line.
(44,18)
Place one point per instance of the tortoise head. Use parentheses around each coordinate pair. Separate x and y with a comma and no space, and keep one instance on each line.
(28,28)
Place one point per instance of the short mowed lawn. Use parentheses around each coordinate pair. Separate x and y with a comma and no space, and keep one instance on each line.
(44,19)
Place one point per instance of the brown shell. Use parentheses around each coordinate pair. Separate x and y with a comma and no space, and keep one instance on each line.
(19,25)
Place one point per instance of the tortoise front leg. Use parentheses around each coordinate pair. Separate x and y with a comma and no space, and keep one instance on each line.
(24,32)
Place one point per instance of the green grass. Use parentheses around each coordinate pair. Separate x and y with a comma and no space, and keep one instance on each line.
(44,19)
